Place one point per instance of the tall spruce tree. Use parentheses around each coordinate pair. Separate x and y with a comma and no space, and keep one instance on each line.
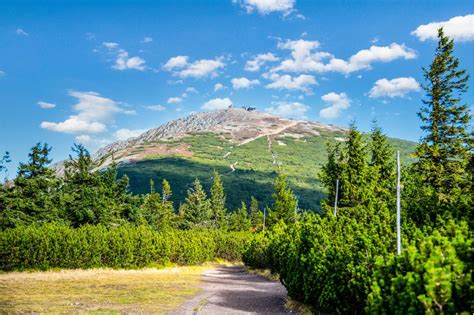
(382,165)
(331,172)
(3,162)
(218,210)
(156,211)
(285,201)
(446,149)
(256,216)
(239,220)
(196,211)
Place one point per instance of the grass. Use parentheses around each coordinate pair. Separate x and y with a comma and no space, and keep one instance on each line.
(254,173)
(103,291)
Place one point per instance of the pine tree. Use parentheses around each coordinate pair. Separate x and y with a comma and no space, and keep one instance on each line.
(256,216)
(331,172)
(157,213)
(284,202)
(239,220)
(445,150)
(166,191)
(197,211)
(382,165)
(218,210)
(353,185)
(35,194)
(3,161)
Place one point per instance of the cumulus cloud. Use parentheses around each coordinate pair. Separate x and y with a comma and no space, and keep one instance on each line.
(218,86)
(302,82)
(156,108)
(243,83)
(258,61)
(123,61)
(337,103)
(93,113)
(21,32)
(267,6)
(393,88)
(46,105)
(306,58)
(191,90)
(181,67)
(217,103)
(174,100)
(459,28)
(147,40)
(288,109)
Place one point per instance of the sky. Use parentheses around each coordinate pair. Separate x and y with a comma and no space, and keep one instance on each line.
(93,72)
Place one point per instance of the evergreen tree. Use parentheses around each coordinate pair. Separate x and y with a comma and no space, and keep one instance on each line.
(166,191)
(3,161)
(446,149)
(353,184)
(331,172)
(156,211)
(218,210)
(239,220)
(256,216)
(284,202)
(35,193)
(382,165)
(197,209)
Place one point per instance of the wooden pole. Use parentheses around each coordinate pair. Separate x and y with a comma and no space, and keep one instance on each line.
(399,238)
(337,194)
(264,214)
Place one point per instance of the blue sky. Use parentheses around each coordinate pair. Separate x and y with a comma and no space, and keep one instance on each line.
(97,71)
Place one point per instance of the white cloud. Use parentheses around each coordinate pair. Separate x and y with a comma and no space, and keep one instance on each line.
(305,58)
(21,32)
(287,82)
(337,103)
(267,6)
(174,100)
(288,109)
(180,67)
(217,103)
(2,73)
(93,113)
(393,88)
(176,63)
(243,83)
(459,28)
(258,61)
(191,90)
(110,45)
(147,40)
(218,86)
(46,105)
(156,108)
(123,61)
(124,134)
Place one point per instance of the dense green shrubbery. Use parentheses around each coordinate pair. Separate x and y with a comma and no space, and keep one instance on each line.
(59,246)
(347,265)
(433,275)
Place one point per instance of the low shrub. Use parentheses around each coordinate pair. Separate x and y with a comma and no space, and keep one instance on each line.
(58,246)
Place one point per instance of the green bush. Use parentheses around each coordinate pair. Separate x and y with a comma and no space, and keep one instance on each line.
(432,275)
(58,246)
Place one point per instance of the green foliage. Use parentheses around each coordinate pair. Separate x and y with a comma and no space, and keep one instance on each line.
(218,210)
(59,246)
(285,202)
(433,275)
(196,211)
(239,220)
(256,216)
(156,210)
(446,150)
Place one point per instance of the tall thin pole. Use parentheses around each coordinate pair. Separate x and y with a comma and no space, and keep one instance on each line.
(399,238)
(264,214)
(296,208)
(337,194)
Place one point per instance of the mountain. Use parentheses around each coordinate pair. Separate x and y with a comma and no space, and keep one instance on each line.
(246,147)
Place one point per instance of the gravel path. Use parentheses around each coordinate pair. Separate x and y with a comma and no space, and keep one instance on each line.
(231,290)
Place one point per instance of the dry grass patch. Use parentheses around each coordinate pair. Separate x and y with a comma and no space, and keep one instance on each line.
(99,290)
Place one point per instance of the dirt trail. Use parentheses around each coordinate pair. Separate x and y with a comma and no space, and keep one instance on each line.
(231,290)
(272,133)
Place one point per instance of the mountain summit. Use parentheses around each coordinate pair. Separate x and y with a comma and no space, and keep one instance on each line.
(237,125)
(246,147)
